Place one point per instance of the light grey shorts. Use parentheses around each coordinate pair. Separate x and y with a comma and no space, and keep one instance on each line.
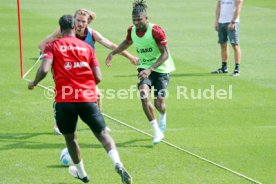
(232,35)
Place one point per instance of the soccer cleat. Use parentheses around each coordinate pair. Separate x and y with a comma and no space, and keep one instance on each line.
(158,136)
(74,172)
(57,130)
(220,70)
(125,177)
(236,73)
(162,122)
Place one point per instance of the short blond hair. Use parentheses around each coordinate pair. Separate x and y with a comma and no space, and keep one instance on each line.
(82,11)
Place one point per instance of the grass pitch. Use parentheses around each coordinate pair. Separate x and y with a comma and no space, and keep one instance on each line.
(238,133)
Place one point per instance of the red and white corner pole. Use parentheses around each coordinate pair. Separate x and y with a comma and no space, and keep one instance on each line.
(20,39)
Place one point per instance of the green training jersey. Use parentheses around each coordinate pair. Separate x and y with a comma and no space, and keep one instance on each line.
(148,51)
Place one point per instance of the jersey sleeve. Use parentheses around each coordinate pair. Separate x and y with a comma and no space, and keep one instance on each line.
(128,37)
(94,60)
(48,51)
(159,35)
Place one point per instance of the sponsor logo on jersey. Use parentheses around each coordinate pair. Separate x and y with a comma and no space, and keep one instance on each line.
(65,48)
(80,64)
(144,50)
(67,65)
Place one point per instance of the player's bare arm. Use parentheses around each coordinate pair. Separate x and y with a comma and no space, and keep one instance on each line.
(236,14)
(56,34)
(162,58)
(217,15)
(123,46)
(41,73)
(110,45)
(97,74)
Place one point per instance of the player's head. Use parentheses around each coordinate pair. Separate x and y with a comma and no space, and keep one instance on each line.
(83,18)
(139,14)
(66,23)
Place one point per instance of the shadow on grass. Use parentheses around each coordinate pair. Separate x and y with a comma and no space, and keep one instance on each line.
(21,141)
(181,75)
(197,75)
(146,143)
(122,76)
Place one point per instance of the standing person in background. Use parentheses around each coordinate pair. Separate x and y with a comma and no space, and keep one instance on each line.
(83,18)
(155,64)
(227,24)
(76,72)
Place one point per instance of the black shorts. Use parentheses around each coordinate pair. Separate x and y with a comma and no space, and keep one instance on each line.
(159,81)
(224,34)
(66,115)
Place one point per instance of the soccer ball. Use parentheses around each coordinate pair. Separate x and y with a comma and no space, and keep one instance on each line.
(65,158)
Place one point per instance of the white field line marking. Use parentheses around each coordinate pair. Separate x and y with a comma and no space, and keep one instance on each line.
(186,151)
(170,144)
(149,130)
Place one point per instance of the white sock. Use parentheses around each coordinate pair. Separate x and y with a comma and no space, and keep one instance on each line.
(154,125)
(80,168)
(162,116)
(114,156)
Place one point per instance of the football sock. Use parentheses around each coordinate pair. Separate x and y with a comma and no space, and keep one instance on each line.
(237,66)
(81,170)
(224,65)
(114,156)
(154,125)
(162,116)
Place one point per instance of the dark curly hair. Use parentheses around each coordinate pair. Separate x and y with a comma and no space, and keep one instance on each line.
(66,22)
(139,6)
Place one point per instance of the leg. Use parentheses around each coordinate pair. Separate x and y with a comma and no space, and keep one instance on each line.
(146,104)
(73,147)
(160,91)
(237,53)
(56,130)
(159,104)
(224,52)
(234,40)
(222,40)
(106,140)
(92,116)
(67,117)
(237,56)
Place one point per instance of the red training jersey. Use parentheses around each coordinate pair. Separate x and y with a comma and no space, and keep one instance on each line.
(157,33)
(71,69)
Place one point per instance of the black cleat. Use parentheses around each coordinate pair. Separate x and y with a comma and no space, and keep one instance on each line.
(125,177)
(220,70)
(236,73)
(73,171)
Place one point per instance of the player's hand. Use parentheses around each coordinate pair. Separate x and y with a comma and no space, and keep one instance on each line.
(31,85)
(231,27)
(108,60)
(216,26)
(134,61)
(144,74)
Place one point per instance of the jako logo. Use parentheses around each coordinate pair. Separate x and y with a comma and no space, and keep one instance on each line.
(144,50)
(80,64)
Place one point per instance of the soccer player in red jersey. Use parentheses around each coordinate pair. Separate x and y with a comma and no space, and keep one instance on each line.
(83,18)
(76,72)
